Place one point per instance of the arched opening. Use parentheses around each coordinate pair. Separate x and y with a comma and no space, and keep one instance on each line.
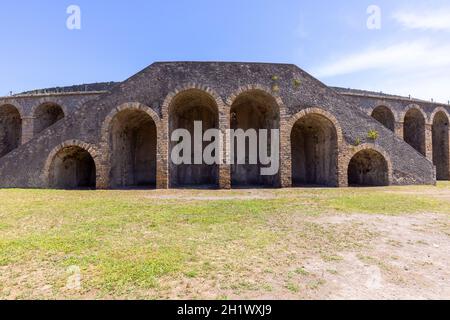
(188,107)
(133,140)
(256,110)
(414,130)
(368,168)
(314,152)
(384,116)
(46,115)
(441,146)
(73,168)
(10,129)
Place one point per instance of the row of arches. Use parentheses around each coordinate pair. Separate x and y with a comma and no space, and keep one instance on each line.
(132,133)
(11,123)
(415,134)
(74,167)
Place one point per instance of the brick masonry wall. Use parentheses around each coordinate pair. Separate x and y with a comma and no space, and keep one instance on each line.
(295,92)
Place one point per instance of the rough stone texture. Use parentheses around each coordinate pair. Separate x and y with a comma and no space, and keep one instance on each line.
(107,124)
(416,119)
(440,132)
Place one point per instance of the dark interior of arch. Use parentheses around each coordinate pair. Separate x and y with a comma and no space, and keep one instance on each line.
(186,108)
(73,168)
(133,141)
(10,129)
(314,152)
(253,110)
(441,146)
(414,130)
(385,116)
(368,168)
(47,115)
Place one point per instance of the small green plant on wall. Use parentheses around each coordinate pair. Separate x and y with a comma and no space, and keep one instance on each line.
(275,86)
(373,135)
(296,83)
(357,142)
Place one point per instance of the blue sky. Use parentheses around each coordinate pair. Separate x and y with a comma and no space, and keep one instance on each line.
(410,54)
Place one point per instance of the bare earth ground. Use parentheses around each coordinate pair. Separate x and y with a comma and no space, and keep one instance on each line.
(380,243)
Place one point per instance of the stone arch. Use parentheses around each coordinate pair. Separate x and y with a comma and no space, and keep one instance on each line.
(72,165)
(440,139)
(254,107)
(130,135)
(385,116)
(182,107)
(369,165)
(436,111)
(45,115)
(414,128)
(10,128)
(257,87)
(315,140)
(48,101)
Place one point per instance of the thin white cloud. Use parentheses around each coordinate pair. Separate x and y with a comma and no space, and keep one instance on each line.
(435,20)
(406,56)
(420,68)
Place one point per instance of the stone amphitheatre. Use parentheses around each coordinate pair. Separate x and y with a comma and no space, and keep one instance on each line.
(117,135)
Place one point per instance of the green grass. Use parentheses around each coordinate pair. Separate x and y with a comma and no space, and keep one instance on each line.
(144,243)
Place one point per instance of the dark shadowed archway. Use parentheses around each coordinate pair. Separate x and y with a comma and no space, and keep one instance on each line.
(368,168)
(414,130)
(46,115)
(253,109)
(133,142)
(10,129)
(441,145)
(185,109)
(72,168)
(385,116)
(314,152)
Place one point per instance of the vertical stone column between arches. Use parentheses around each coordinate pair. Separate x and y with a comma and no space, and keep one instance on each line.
(399,129)
(27,128)
(442,147)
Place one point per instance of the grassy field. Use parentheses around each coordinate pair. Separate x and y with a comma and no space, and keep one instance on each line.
(204,244)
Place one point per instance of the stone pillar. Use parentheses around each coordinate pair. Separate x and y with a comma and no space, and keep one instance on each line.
(399,130)
(429,142)
(343,157)
(27,129)
(224,167)
(285,152)
(102,180)
(448,153)
(162,155)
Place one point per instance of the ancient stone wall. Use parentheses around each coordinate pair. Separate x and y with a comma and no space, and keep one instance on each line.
(326,138)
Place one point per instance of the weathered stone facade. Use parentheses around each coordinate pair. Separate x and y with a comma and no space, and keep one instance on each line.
(118,135)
